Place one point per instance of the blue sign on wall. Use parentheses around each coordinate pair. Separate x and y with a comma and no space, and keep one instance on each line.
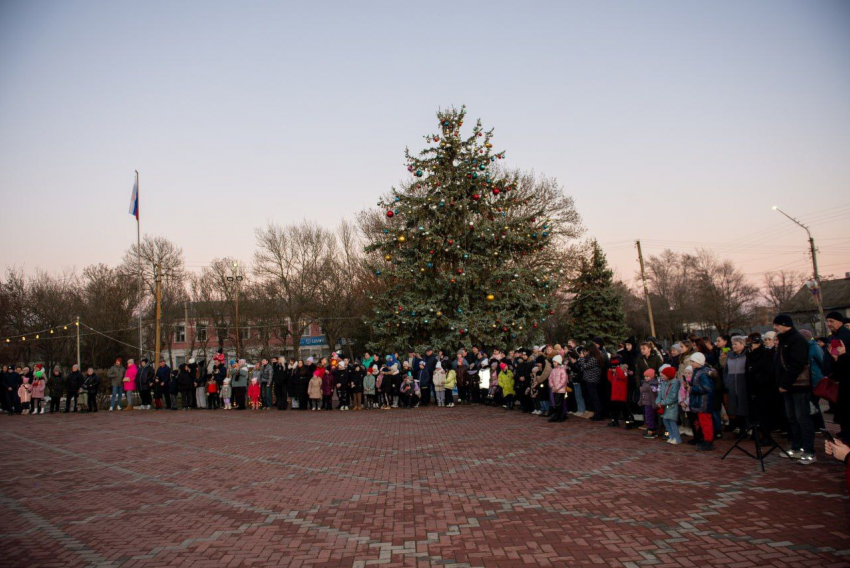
(313,340)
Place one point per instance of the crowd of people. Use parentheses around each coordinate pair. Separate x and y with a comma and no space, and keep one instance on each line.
(744,384)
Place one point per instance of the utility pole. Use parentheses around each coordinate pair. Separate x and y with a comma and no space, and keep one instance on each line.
(78,343)
(645,288)
(236,278)
(158,312)
(186,352)
(816,289)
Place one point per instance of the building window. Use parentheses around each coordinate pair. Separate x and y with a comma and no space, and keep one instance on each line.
(245,333)
(179,334)
(201,332)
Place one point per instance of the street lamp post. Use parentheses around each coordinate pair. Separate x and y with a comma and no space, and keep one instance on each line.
(236,278)
(815,286)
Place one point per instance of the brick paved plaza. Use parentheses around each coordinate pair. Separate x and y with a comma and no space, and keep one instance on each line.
(471,486)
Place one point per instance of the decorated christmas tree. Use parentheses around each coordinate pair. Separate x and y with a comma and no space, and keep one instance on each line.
(465,252)
(596,310)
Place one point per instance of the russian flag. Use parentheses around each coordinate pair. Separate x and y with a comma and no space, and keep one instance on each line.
(134,200)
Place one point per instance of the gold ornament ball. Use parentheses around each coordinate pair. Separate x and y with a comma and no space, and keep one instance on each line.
(401,238)
(388,257)
(490,297)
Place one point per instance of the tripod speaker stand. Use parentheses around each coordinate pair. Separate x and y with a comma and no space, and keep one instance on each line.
(760,454)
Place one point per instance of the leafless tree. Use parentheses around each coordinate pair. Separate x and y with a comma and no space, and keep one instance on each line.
(779,287)
(290,261)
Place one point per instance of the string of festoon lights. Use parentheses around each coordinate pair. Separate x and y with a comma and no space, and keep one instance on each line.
(48,333)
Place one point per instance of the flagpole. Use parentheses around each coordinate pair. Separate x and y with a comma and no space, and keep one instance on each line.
(139,255)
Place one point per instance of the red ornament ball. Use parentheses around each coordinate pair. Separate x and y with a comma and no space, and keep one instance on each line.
(390,213)
(496,191)
(476,196)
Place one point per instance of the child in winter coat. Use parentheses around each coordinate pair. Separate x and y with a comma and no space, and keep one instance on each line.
(439,380)
(39,382)
(702,396)
(667,401)
(648,395)
(506,383)
(619,379)
(212,393)
(451,383)
(314,390)
(558,385)
(226,392)
(25,394)
(406,390)
(369,387)
(254,393)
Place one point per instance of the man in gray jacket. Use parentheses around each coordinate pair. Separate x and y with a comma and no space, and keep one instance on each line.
(116,380)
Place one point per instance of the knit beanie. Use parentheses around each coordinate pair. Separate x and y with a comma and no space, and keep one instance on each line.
(783,320)
(650,373)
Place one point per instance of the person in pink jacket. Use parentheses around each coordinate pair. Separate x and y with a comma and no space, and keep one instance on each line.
(38,384)
(130,382)
(558,385)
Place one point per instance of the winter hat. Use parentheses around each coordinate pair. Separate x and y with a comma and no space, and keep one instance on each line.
(503,366)
(806,333)
(253,379)
(834,315)
(698,358)
(421,363)
(485,362)
(309,360)
(689,370)
(557,359)
(770,335)
(650,373)
(227,381)
(677,346)
(668,372)
(783,320)
(615,360)
(439,365)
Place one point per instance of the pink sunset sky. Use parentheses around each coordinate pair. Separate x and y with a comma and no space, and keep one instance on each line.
(677,123)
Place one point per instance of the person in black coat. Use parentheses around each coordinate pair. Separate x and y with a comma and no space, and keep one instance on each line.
(160,385)
(839,369)
(341,383)
(279,382)
(792,356)
(11,382)
(356,385)
(186,385)
(172,388)
(56,386)
(73,387)
(293,375)
(760,376)
(91,383)
(146,382)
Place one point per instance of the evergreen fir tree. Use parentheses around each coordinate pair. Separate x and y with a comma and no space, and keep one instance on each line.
(596,310)
(464,251)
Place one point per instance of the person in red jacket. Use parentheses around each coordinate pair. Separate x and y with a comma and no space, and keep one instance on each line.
(619,378)
(254,393)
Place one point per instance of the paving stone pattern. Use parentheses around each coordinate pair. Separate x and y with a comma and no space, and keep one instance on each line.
(468,486)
